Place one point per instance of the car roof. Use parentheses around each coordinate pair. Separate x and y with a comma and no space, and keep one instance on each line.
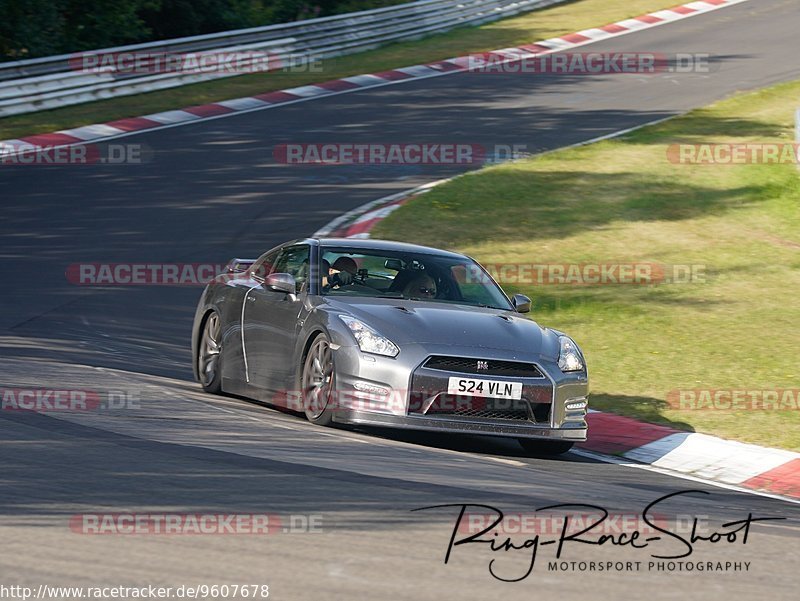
(389,245)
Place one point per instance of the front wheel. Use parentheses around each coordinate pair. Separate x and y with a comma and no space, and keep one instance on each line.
(318,381)
(208,355)
(545,447)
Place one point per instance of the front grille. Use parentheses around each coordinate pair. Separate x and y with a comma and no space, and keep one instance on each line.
(515,415)
(486,408)
(495,367)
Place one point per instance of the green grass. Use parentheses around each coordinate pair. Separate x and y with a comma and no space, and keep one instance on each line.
(623,201)
(524,29)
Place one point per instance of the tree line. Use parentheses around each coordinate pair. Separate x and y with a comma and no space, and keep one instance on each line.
(33,28)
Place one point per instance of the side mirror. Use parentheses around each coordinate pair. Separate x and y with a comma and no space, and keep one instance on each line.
(522,304)
(281,282)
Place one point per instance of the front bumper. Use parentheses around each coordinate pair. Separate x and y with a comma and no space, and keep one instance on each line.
(416,392)
(464,426)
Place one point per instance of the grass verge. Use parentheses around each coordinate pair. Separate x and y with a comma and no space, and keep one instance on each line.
(524,29)
(623,201)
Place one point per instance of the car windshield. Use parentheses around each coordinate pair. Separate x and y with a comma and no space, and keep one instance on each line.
(416,276)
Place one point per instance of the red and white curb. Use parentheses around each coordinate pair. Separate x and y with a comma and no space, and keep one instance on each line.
(359,222)
(705,457)
(227,108)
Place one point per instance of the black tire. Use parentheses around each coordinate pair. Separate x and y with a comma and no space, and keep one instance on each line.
(545,447)
(209,355)
(318,382)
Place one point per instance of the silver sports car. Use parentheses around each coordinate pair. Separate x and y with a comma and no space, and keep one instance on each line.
(389,334)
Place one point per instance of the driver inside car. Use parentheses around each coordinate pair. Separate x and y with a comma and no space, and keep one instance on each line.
(347,264)
(333,277)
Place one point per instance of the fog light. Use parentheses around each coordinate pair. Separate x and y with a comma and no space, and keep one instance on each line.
(576,404)
(371,388)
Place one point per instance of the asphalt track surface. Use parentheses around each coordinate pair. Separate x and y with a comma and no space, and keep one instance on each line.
(213,191)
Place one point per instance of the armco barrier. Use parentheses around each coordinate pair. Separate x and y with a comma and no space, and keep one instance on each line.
(50,82)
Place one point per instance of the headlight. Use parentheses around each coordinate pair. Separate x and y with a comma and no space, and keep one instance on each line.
(368,339)
(569,357)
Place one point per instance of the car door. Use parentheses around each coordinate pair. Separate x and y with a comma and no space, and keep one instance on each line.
(234,364)
(272,321)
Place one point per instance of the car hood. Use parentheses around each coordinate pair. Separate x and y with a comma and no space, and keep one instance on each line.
(408,322)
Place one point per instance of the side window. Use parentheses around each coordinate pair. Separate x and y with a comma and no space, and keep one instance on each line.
(294,261)
(264,266)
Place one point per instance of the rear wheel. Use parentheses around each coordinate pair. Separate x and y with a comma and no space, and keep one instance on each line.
(208,355)
(318,380)
(545,447)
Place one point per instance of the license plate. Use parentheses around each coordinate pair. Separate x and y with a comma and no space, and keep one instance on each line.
(484,388)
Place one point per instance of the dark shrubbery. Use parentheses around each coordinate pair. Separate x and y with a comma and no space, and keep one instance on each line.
(33,28)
